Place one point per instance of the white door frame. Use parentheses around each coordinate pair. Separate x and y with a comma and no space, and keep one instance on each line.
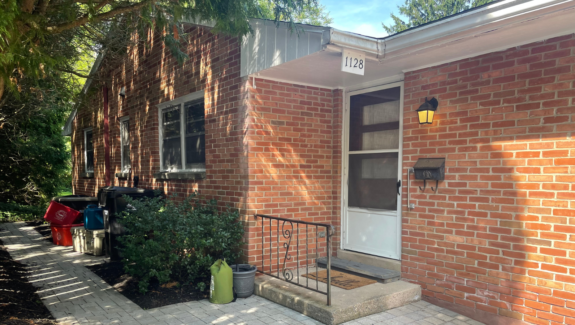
(345,158)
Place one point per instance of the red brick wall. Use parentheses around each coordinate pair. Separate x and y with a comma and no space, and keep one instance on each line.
(499,234)
(152,76)
(272,149)
(294,149)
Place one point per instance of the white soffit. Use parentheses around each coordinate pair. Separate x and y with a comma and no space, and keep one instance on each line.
(497,27)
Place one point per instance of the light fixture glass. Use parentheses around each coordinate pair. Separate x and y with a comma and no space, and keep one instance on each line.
(426,111)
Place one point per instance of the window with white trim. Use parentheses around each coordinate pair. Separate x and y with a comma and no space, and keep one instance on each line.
(182,134)
(125,144)
(88,151)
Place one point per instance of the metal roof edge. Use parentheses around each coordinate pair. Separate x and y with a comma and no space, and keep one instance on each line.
(354,41)
(484,16)
(449,26)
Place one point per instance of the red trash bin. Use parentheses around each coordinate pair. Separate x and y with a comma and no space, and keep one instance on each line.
(59,214)
(62,235)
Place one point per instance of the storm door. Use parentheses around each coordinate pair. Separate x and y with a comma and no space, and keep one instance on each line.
(372,217)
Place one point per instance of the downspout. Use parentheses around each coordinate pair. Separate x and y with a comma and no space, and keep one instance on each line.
(381,50)
(106,136)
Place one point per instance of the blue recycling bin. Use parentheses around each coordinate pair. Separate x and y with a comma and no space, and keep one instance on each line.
(93,217)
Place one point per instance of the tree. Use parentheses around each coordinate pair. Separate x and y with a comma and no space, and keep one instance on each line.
(34,158)
(310,14)
(30,29)
(419,12)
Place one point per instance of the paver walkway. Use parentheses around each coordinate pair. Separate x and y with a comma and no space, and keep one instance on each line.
(75,295)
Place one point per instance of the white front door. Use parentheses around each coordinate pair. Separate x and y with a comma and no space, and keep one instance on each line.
(372,170)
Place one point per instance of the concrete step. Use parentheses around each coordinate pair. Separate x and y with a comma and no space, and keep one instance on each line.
(378,261)
(373,272)
(346,305)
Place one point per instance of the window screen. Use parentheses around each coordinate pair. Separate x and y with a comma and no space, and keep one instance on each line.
(183,136)
(374,120)
(195,134)
(372,181)
(373,149)
(171,147)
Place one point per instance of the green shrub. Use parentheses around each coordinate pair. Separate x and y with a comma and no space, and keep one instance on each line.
(11,212)
(178,242)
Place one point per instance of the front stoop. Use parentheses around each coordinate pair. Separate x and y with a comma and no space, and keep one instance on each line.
(346,305)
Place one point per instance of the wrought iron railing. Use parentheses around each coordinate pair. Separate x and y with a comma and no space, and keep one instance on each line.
(300,233)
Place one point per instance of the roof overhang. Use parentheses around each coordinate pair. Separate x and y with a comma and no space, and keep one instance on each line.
(491,28)
(67,130)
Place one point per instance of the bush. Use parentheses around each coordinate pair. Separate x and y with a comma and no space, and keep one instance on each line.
(178,242)
(11,212)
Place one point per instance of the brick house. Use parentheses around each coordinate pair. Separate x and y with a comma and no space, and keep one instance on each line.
(271,124)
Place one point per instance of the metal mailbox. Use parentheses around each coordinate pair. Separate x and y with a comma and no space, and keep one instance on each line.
(430,168)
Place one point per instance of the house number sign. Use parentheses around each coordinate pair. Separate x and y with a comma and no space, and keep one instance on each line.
(353,62)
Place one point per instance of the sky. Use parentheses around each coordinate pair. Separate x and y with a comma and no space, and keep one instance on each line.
(362,16)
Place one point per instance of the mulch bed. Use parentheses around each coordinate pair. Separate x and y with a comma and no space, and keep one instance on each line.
(157,296)
(19,302)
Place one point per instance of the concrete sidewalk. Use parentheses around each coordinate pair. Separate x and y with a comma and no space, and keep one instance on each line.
(75,295)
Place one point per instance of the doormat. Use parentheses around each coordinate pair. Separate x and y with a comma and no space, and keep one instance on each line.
(341,280)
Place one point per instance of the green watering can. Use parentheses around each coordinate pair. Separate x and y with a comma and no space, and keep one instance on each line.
(221,284)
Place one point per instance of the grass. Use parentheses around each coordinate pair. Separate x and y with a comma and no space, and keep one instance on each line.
(65,192)
(11,212)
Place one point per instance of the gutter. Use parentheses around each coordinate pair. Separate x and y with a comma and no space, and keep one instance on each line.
(465,25)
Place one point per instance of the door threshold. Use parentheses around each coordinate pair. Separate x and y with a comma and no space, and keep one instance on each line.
(372,260)
(380,274)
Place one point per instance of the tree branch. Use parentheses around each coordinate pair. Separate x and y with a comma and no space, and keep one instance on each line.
(86,18)
(78,74)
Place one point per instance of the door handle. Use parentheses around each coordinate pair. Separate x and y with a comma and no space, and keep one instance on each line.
(398,186)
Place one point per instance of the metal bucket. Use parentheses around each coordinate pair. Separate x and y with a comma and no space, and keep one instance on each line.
(244,276)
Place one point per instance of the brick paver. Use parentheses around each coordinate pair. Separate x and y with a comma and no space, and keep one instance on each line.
(75,295)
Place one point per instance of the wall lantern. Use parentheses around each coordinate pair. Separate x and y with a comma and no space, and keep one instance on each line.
(427,110)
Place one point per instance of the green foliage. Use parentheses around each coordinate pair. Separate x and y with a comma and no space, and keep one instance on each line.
(179,242)
(312,13)
(11,212)
(35,35)
(34,157)
(419,12)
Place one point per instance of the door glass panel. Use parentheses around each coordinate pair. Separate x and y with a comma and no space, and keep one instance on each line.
(373,181)
(374,120)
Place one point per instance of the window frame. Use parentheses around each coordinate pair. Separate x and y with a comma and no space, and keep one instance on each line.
(86,131)
(122,121)
(172,105)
